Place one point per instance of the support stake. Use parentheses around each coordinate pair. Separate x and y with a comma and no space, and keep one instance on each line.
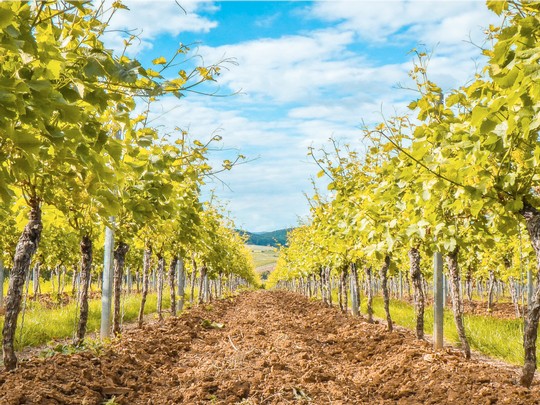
(106,291)
(438,307)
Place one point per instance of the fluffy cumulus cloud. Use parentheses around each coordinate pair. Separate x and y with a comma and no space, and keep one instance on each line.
(268,191)
(452,30)
(150,18)
(287,69)
(299,89)
(389,21)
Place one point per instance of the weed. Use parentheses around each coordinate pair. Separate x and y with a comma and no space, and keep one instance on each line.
(111,401)
(206,324)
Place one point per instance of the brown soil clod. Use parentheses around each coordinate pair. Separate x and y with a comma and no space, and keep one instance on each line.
(265,348)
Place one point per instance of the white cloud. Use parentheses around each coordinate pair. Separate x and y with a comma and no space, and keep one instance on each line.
(149,18)
(453,30)
(267,21)
(380,20)
(267,194)
(279,174)
(301,89)
(289,68)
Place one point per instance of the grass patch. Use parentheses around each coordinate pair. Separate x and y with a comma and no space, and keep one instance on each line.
(498,338)
(43,325)
(493,337)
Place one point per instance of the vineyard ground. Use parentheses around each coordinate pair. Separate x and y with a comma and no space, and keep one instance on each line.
(264,348)
(492,335)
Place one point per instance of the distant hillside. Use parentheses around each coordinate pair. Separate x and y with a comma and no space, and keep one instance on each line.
(273,238)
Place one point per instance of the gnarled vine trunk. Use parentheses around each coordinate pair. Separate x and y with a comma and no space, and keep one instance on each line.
(160,274)
(369,293)
(321,284)
(172,274)
(26,247)
(324,289)
(59,278)
(457,301)
(202,285)
(35,280)
(2,283)
(416,278)
(514,294)
(355,291)
(468,284)
(386,293)
(193,278)
(147,257)
(86,266)
(343,296)
(129,280)
(490,290)
(219,293)
(328,280)
(181,285)
(119,261)
(530,333)
(74,280)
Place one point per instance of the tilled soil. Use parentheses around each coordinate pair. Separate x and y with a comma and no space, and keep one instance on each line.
(265,348)
(502,310)
(53,300)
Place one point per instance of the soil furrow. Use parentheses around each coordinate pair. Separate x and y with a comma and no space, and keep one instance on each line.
(264,348)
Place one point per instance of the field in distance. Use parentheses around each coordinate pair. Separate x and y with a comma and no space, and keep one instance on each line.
(263,255)
(265,258)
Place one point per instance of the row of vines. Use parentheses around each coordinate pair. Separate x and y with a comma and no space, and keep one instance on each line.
(458,175)
(78,152)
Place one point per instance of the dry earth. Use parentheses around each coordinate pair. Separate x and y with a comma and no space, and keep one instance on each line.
(264,348)
(502,310)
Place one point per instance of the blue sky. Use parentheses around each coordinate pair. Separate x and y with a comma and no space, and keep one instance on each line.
(304,72)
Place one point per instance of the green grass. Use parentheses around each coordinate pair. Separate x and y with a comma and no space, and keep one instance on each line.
(493,337)
(498,338)
(45,286)
(42,325)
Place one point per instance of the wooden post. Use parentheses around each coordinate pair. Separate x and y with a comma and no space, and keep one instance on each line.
(438,307)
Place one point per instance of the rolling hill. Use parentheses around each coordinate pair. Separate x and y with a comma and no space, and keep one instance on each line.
(274,238)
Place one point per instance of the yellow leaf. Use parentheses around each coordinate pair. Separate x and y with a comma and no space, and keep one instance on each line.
(152,73)
(159,61)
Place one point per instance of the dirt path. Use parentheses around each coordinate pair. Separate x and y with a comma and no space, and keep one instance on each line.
(264,348)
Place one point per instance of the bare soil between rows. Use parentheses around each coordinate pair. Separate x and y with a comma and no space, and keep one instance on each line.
(265,348)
